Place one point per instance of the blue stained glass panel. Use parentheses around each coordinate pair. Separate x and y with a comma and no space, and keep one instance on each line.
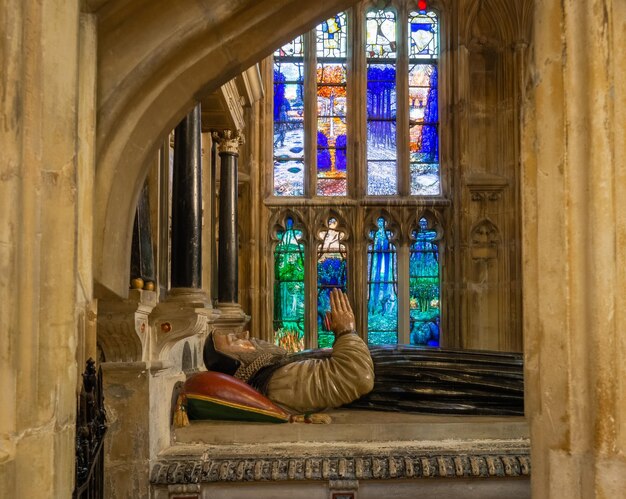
(381,130)
(289,289)
(288,128)
(382,287)
(425,179)
(423,129)
(424,287)
(331,273)
(423,35)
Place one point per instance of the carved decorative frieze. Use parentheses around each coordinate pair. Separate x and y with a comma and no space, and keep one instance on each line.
(229,141)
(369,467)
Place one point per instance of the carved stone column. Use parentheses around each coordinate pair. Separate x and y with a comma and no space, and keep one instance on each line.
(228,143)
(186,312)
(187,203)
(574,230)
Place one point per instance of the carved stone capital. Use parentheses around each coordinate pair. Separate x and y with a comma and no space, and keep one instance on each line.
(228,141)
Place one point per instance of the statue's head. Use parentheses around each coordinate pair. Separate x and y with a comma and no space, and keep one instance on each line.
(216,357)
(226,352)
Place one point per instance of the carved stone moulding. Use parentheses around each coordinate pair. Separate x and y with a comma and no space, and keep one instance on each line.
(398,466)
(485,186)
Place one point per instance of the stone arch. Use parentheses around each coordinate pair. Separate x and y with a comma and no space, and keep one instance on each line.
(154,60)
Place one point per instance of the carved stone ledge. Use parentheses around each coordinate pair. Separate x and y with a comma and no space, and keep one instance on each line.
(123,326)
(367,467)
(486,187)
(184,314)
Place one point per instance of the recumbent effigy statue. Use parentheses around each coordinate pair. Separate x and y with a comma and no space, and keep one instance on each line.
(353,375)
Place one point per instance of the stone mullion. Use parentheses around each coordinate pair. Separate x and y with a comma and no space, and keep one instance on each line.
(361,244)
(359,112)
(310,116)
(355,90)
(458,88)
(403,291)
(402,101)
(310,281)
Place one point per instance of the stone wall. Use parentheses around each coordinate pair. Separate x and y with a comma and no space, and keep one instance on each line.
(47,114)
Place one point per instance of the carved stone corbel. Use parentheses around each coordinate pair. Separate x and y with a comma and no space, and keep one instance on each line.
(184,314)
(123,326)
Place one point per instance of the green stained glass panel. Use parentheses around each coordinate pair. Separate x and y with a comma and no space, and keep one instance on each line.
(424,287)
(289,289)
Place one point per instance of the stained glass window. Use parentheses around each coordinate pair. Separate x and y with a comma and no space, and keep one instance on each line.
(424,286)
(331,273)
(315,75)
(289,289)
(382,285)
(381,102)
(423,103)
(332,102)
(289,119)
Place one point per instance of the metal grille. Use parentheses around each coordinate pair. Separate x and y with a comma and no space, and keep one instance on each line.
(90,430)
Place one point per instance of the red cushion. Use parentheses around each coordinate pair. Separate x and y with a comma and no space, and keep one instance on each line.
(213,395)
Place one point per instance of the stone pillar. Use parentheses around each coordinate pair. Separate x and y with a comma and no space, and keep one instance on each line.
(574,240)
(231,315)
(228,249)
(187,203)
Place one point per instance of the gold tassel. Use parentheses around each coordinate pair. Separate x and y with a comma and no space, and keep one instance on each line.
(180,415)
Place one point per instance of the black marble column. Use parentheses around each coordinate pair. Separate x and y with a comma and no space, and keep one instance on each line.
(228,249)
(187,203)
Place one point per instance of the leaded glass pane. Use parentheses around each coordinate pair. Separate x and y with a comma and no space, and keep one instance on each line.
(289,289)
(382,287)
(331,51)
(295,48)
(423,35)
(424,286)
(423,104)
(381,129)
(332,37)
(380,34)
(331,129)
(289,121)
(331,273)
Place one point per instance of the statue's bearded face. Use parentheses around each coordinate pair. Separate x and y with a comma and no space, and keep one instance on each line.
(233,343)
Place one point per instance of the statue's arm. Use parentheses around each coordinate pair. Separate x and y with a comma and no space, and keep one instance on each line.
(317,384)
